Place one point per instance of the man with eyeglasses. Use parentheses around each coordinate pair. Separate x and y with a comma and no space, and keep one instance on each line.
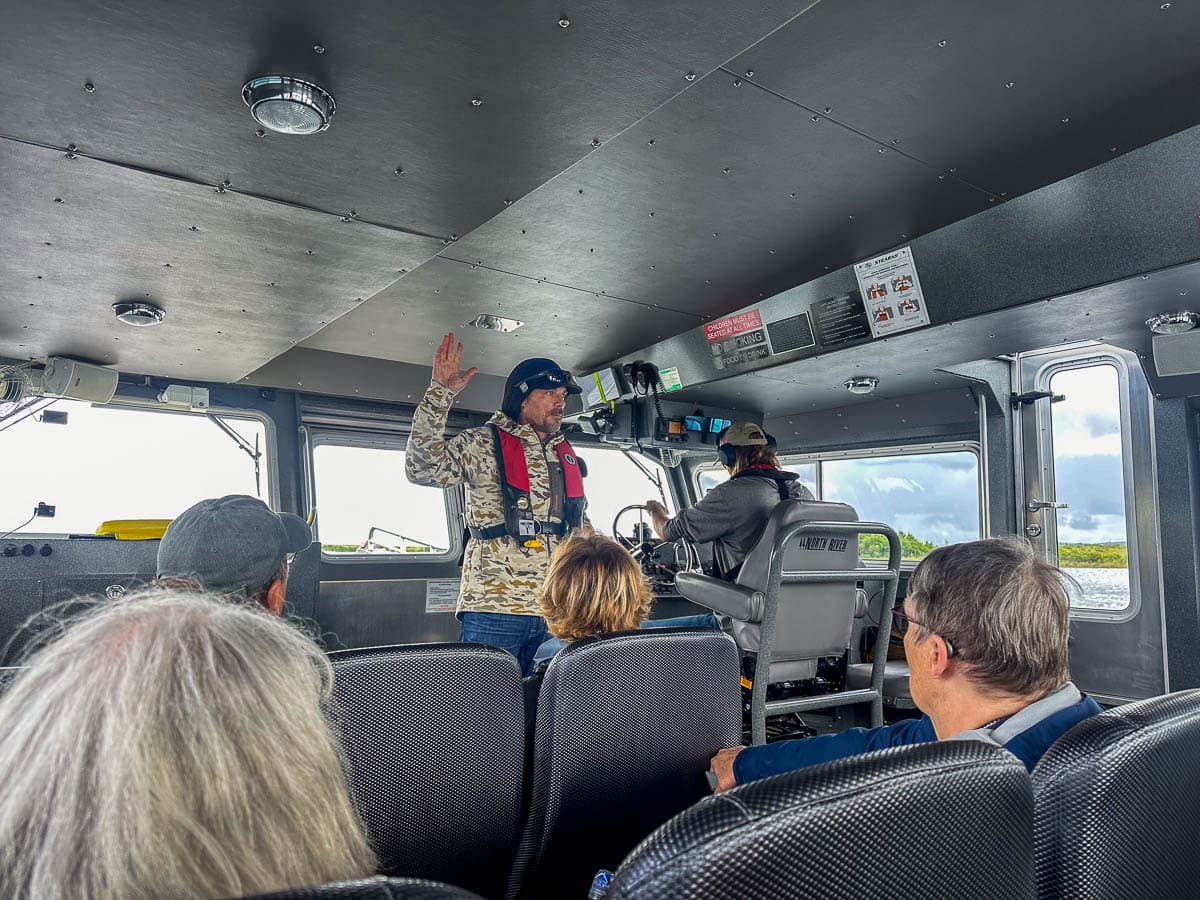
(235,546)
(524,489)
(985,627)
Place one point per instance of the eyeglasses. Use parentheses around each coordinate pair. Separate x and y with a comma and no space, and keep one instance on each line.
(902,620)
(554,376)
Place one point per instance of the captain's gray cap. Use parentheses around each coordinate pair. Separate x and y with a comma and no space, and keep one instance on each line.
(230,545)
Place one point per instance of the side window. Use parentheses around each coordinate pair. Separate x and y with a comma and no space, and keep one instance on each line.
(1089,477)
(931,499)
(114,462)
(615,481)
(709,478)
(367,507)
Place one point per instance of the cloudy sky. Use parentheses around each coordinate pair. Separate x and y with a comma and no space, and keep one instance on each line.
(1087,456)
(110,463)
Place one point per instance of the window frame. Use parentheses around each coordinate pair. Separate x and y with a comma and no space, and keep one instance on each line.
(270,451)
(1045,420)
(874,453)
(452,499)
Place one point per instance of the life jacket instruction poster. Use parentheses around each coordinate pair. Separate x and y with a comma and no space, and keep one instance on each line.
(891,291)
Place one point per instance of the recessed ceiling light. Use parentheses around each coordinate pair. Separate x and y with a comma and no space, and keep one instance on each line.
(1173,322)
(862,384)
(495,323)
(134,312)
(288,105)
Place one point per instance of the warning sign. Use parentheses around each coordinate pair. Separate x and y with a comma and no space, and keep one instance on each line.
(840,320)
(739,349)
(892,292)
(731,326)
(441,594)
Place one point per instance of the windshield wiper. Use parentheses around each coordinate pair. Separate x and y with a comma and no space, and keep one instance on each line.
(244,445)
(653,477)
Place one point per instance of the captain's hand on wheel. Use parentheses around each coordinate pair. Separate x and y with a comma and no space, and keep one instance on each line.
(446,362)
(658,516)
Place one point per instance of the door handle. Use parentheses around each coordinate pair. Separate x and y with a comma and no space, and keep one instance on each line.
(1038,505)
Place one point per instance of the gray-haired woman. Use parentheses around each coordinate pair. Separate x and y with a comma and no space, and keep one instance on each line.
(170,745)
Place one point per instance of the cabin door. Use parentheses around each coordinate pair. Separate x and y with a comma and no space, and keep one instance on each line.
(1086,491)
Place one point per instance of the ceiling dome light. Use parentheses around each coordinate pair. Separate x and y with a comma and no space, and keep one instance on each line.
(288,105)
(862,384)
(134,312)
(1173,323)
(495,323)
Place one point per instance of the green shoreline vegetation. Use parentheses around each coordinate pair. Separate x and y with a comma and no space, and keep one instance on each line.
(874,546)
(1070,556)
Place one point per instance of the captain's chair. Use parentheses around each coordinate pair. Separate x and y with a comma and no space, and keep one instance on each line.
(795,600)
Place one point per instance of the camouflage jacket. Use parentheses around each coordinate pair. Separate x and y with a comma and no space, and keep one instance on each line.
(499,576)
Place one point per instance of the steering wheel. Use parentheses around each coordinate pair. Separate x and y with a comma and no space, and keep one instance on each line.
(636,548)
(691,554)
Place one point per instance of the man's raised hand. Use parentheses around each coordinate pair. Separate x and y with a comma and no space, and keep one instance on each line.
(446,362)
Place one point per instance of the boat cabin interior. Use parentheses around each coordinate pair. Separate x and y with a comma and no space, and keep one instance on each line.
(946,254)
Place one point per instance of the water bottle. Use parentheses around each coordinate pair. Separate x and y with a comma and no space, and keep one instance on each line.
(600,884)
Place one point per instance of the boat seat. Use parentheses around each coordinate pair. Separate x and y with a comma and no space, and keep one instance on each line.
(896,694)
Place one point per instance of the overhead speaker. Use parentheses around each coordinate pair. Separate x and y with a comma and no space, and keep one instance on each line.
(78,380)
(1177,354)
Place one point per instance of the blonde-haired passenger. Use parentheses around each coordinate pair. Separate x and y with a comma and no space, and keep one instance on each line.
(171,745)
(595,586)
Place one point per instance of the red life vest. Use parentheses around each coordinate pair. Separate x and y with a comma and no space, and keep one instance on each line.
(519,519)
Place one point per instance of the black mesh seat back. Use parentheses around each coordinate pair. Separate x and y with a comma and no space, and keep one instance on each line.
(951,819)
(7,674)
(1117,803)
(372,889)
(626,726)
(435,739)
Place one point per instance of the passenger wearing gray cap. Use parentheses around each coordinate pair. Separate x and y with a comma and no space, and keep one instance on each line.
(733,514)
(235,546)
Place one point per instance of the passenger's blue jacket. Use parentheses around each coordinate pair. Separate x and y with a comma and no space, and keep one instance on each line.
(784,756)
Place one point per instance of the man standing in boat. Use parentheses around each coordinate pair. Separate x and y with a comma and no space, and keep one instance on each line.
(524,488)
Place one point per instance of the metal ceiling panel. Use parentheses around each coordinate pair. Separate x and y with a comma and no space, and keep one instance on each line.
(362,378)
(1008,96)
(575,328)
(241,280)
(726,194)
(167,90)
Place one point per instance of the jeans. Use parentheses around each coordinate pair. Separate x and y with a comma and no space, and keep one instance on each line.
(704,620)
(519,635)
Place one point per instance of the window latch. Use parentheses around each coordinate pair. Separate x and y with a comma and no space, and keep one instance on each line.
(1028,397)
(1039,505)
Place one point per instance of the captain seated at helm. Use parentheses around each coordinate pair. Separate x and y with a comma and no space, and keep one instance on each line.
(733,514)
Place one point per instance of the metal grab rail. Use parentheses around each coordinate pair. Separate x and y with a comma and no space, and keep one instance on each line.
(776,578)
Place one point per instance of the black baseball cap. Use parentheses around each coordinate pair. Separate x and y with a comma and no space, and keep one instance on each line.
(230,545)
(530,375)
